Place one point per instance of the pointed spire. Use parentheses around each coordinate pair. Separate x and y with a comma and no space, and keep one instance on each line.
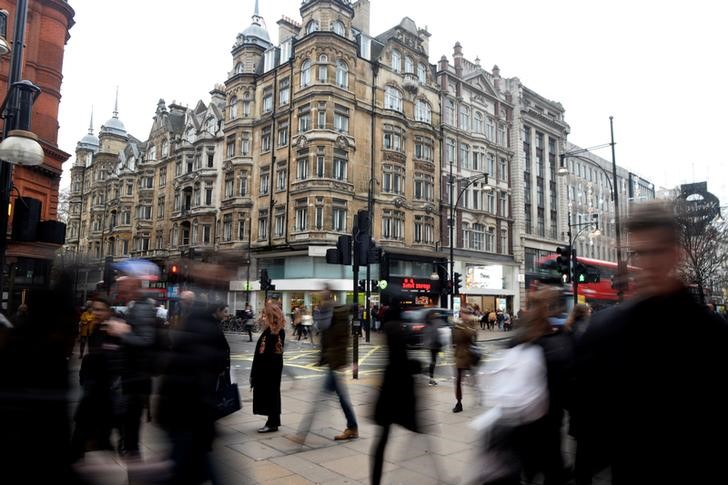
(256,16)
(91,123)
(116,103)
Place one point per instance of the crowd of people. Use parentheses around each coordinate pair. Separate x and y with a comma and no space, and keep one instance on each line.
(636,391)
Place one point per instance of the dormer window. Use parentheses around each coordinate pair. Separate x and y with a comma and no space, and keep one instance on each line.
(312,27)
(191,135)
(239,68)
(165,148)
(211,125)
(338,28)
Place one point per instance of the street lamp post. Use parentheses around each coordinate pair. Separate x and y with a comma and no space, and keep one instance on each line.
(614,187)
(19,145)
(467,182)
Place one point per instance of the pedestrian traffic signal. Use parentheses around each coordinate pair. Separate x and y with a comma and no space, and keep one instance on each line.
(362,286)
(456,283)
(563,262)
(342,253)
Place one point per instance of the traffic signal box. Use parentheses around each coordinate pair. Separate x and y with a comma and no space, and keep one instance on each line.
(265,281)
(456,283)
(563,262)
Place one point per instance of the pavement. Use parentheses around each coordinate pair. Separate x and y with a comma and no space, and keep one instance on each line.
(439,455)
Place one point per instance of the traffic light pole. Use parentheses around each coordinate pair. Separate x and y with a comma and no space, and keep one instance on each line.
(356,323)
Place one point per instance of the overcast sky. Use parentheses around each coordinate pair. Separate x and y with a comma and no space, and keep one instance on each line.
(658,67)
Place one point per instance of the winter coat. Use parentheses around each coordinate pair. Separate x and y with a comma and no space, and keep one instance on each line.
(397,402)
(198,355)
(265,375)
(644,382)
(86,325)
(335,338)
(137,347)
(432,334)
(463,336)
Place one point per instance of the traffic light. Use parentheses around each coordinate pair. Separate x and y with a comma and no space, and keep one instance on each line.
(363,239)
(456,283)
(342,253)
(374,255)
(362,286)
(580,272)
(173,274)
(563,262)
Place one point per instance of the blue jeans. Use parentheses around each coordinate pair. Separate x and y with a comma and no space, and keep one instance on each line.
(332,384)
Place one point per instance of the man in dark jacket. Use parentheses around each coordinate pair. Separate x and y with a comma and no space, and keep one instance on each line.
(649,399)
(137,337)
(334,341)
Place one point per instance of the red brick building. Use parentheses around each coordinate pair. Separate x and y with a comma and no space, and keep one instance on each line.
(47,26)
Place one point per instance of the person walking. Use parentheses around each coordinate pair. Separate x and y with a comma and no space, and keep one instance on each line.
(137,336)
(645,383)
(248,317)
(432,341)
(397,402)
(463,336)
(336,337)
(267,369)
(199,354)
(94,414)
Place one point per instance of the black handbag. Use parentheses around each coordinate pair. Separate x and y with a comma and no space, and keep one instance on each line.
(227,396)
(476,355)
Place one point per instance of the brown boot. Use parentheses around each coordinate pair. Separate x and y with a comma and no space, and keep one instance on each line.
(348,434)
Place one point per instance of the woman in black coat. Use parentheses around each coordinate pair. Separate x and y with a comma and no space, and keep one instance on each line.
(198,355)
(397,403)
(265,375)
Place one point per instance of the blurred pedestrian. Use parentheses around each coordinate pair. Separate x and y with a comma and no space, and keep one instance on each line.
(137,335)
(94,416)
(199,355)
(85,328)
(540,441)
(323,316)
(433,342)
(334,344)
(492,319)
(646,382)
(267,369)
(248,317)
(578,320)
(397,401)
(20,317)
(463,335)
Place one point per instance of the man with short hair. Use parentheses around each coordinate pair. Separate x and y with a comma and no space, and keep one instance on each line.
(649,372)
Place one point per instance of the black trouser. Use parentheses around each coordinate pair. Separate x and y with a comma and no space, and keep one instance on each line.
(433,361)
(378,464)
(273,421)
(132,421)
(459,384)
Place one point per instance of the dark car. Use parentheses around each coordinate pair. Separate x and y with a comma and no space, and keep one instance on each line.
(414,322)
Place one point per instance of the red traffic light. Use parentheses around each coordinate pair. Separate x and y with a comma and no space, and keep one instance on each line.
(174,268)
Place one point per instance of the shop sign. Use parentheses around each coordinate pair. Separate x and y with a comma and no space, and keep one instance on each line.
(411,284)
(697,207)
(484,277)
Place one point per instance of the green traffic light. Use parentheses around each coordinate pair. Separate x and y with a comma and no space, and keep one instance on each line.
(582,278)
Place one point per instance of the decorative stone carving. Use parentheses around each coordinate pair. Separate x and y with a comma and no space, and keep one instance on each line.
(342,143)
(302,142)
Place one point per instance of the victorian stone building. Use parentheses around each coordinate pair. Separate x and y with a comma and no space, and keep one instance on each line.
(301,136)
(476,126)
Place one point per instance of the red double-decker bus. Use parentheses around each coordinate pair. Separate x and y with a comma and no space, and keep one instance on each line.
(597,289)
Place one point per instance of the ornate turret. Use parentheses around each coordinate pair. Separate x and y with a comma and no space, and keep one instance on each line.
(114,126)
(89,141)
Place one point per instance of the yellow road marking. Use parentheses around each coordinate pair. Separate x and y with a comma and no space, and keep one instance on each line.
(363,359)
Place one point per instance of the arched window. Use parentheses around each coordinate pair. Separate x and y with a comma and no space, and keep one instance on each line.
(450,112)
(422,73)
(305,73)
(338,28)
(312,27)
(478,126)
(396,61)
(239,68)
(233,108)
(423,112)
(464,118)
(392,98)
(323,69)
(151,153)
(342,74)
(165,148)
(409,66)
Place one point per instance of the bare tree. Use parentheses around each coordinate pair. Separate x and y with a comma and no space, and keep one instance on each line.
(63,211)
(705,249)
